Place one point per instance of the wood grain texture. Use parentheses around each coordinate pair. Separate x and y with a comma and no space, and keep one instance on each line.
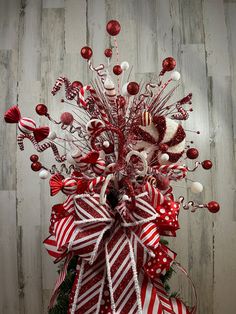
(41,40)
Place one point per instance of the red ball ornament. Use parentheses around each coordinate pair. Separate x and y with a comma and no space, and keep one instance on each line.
(117,69)
(213,207)
(36,166)
(108,53)
(192,153)
(113,27)
(121,101)
(77,84)
(162,183)
(207,164)
(168,64)
(163,147)
(133,88)
(34,158)
(41,109)
(67,118)
(86,52)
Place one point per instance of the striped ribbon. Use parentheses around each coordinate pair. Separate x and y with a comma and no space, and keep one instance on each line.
(119,256)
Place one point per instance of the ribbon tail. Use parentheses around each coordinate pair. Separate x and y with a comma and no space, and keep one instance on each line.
(88,288)
(122,274)
(161,292)
(60,280)
(151,302)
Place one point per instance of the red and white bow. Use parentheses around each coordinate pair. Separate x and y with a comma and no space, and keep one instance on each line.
(113,244)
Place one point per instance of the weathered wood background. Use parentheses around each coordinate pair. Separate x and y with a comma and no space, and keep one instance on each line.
(41,39)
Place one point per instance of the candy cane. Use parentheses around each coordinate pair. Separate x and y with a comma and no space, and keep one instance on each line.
(103,197)
(71,92)
(81,100)
(40,148)
(95,182)
(182,113)
(170,169)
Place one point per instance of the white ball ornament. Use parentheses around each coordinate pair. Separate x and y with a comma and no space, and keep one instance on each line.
(164,157)
(196,187)
(175,76)
(106,144)
(124,90)
(124,65)
(52,135)
(43,174)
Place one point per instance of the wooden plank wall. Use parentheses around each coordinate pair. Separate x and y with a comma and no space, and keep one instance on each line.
(41,39)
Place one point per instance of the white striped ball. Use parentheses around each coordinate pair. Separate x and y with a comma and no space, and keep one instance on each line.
(26,125)
(69,186)
(99,166)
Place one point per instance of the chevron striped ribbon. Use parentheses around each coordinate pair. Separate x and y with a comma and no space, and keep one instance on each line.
(119,256)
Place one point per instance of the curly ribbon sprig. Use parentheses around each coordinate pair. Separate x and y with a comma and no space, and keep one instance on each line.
(148,91)
(197,163)
(63,168)
(71,91)
(99,70)
(182,113)
(40,148)
(191,204)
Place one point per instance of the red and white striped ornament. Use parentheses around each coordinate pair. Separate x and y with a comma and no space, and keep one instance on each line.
(99,166)
(110,91)
(93,125)
(69,186)
(146,118)
(26,125)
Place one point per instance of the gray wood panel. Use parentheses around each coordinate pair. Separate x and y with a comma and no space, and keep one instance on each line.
(40,40)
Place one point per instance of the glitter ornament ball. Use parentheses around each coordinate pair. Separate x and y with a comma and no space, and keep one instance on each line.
(113,27)
(192,153)
(133,88)
(34,158)
(196,187)
(207,164)
(86,52)
(36,166)
(77,84)
(162,183)
(67,118)
(108,53)
(213,207)
(117,69)
(41,109)
(163,147)
(168,64)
